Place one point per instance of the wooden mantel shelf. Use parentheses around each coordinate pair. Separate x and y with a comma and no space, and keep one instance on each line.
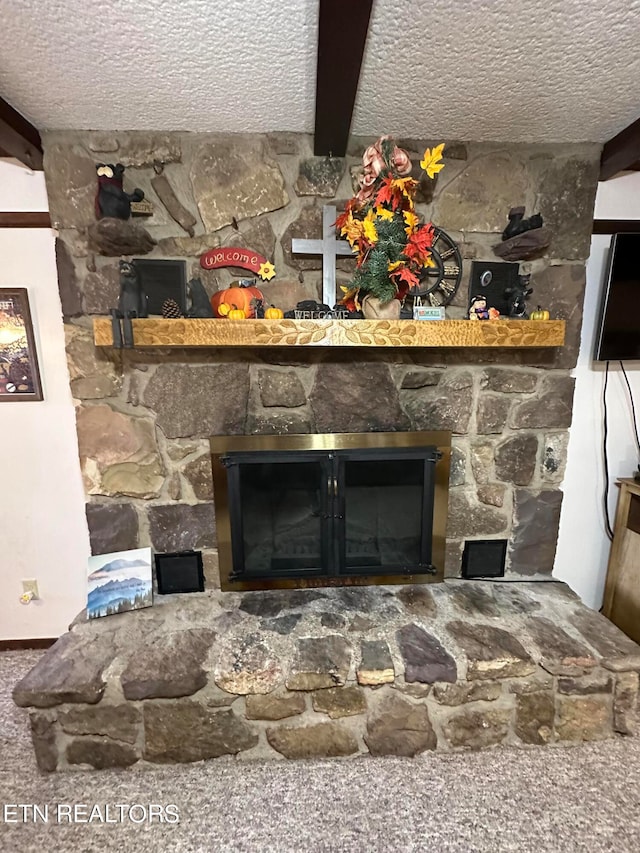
(157,332)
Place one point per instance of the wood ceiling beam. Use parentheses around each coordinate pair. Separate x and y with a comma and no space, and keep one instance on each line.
(341,40)
(19,138)
(621,153)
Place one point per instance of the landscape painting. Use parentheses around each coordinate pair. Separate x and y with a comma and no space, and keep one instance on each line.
(19,375)
(119,582)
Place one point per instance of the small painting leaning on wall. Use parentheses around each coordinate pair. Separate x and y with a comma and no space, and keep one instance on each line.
(119,582)
(19,375)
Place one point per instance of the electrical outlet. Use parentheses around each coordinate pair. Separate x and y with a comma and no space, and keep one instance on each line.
(30,586)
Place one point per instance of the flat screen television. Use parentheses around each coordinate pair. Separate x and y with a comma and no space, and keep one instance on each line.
(618,337)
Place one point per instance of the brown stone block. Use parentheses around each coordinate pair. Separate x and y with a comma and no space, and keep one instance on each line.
(443,407)
(560,654)
(320,176)
(508,380)
(184,731)
(101,753)
(516,458)
(247,666)
(425,659)
(115,237)
(492,413)
(43,738)
(584,718)
(477,729)
(70,671)
(182,527)
(281,388)
(596,683)
(399,727)
(418,601)
(235,178)
(168,665)
(320,662)
(472,599)
(194,401)
(362,400)
(619,652)
(261,707)
(119,722)
(464,692)
(376,665)
(70,294)
(112,527)
(101,289)
(468,518)
(324,740)
(491,652)
(533,541)
(340,701)
(534,717)
(551,409)
(198,472)
(72,183)
(625,703)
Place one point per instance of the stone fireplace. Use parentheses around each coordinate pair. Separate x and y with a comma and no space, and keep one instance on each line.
(144,417)
(348,671)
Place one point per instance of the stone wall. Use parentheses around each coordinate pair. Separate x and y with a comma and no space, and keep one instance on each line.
(144,416)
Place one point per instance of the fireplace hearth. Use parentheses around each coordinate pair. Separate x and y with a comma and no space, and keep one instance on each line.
(330,509)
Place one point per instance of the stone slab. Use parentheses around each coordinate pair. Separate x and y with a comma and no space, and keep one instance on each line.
(324,740)
(425,658)
(376,663)
(559,653)
(491,652)
(398,727)
(321,662)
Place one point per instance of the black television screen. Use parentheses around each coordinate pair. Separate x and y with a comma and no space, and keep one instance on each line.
(618,335)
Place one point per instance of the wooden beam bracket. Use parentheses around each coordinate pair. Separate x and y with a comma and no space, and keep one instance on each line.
(19,138)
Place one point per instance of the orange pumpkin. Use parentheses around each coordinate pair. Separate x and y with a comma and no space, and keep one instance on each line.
(273,313)
(236,297)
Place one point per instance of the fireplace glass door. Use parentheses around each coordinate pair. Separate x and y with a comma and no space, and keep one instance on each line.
(344,514)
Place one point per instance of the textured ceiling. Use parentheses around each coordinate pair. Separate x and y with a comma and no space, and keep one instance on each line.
(531,70)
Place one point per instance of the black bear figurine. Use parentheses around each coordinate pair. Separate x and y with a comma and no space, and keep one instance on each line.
(518,224)
(111,200)
(200,304)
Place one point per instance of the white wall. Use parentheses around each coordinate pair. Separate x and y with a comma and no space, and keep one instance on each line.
(43,532)
(583,546)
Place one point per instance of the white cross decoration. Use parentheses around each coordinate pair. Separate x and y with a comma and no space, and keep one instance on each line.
(328,247)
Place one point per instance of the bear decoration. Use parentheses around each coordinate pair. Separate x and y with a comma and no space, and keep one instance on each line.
(111,200)
(132,302)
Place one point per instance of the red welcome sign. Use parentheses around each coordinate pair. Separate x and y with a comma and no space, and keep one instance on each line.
(238,257)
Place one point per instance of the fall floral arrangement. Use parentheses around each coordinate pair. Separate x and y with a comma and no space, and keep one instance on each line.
(393,245)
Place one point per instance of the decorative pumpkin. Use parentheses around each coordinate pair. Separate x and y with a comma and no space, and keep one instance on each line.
(539,314)
(236,314)
(236,297)
(273,313)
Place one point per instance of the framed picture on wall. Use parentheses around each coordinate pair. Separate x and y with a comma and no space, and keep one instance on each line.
(19,374)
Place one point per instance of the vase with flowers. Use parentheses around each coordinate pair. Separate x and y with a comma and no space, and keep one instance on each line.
(392,243)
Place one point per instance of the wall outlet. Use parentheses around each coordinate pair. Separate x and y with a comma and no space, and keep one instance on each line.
(30,586)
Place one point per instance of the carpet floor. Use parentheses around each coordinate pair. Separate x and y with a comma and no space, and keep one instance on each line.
(541,799)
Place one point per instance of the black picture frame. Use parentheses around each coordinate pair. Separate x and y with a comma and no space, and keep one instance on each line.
(19,371)
(162,280)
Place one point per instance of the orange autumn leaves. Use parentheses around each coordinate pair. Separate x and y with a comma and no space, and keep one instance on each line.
(381,225)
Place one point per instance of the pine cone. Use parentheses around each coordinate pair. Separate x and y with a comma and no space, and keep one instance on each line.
(171,309)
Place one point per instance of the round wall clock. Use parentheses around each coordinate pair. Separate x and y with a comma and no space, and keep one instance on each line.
(440,282)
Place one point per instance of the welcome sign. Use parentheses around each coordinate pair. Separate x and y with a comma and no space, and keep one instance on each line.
(237,257)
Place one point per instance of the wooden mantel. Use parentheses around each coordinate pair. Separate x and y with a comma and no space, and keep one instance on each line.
(157,332)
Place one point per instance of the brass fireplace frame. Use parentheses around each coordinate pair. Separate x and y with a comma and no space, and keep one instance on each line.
(223,444)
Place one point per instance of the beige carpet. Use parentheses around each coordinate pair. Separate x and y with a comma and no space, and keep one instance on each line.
(540,799)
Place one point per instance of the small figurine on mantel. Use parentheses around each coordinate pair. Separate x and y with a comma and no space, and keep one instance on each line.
(479,310)
(132,303)
(517,296)
(111,199)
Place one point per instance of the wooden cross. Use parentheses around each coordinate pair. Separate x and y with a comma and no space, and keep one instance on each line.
(328,248)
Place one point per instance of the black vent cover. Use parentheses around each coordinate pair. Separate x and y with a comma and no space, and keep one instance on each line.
(484,558)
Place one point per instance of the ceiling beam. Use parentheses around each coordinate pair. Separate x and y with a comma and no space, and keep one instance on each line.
(19,138)
(341,40)
(25,219)
(620,153)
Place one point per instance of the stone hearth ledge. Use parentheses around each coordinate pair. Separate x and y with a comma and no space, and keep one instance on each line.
(346,671)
